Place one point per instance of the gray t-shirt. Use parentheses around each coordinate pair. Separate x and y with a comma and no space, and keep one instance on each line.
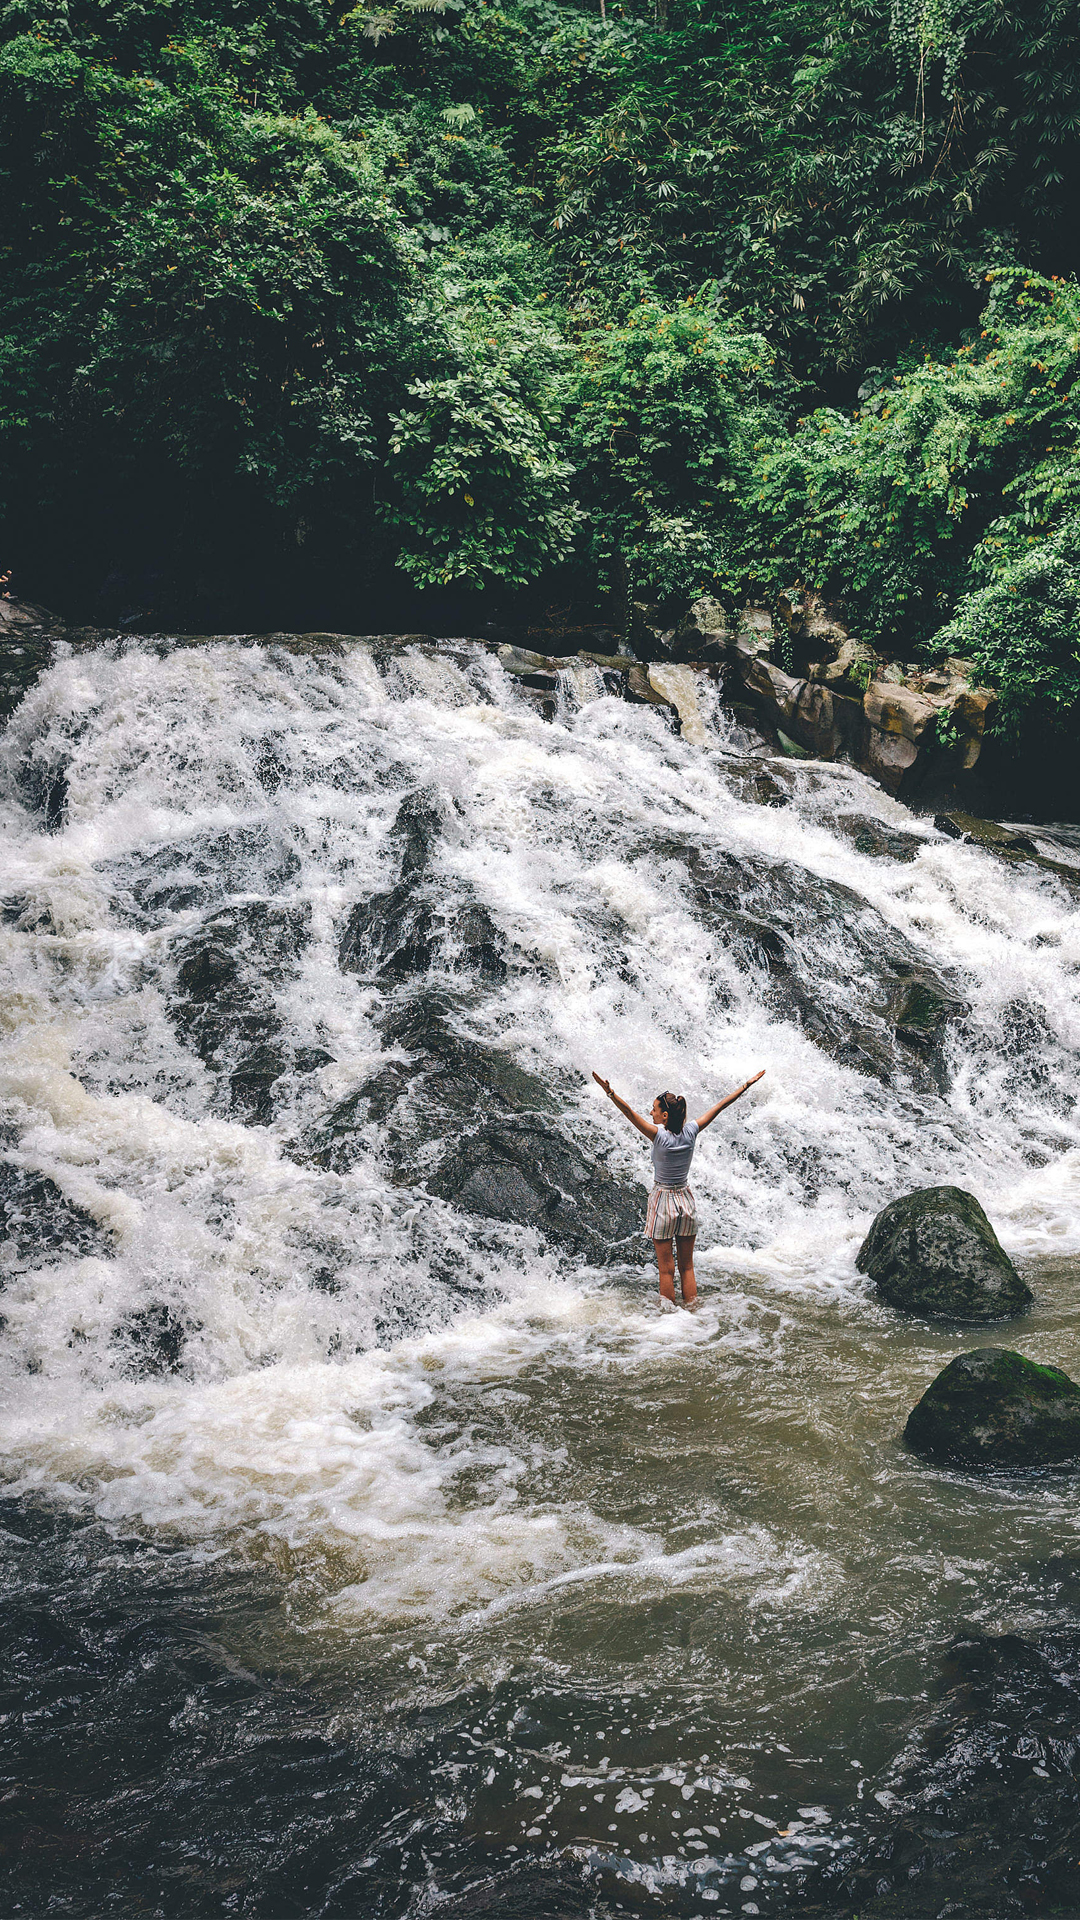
(672,1154)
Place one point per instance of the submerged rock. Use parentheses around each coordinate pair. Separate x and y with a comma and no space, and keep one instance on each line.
(38,1224)
(456,1115)
(406,931)
(934,1252)
(920,1004)
(997,1408)
(979,1816)
(201,871)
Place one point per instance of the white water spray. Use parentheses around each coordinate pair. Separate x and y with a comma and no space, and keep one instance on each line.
(253,1347)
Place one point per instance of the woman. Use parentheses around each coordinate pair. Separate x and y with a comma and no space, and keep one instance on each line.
(671,1219)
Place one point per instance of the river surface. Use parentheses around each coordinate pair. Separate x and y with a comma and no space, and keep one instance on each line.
(371,1545)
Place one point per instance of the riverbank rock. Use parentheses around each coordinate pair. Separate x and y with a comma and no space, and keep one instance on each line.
(935,1253)
(996,1408)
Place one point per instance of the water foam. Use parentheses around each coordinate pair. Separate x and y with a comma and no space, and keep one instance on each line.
(311,1309)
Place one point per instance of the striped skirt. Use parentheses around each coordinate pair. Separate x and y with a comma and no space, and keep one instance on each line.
(671,1215)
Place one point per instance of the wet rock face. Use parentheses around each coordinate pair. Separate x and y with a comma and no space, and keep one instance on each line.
(476,1129)
(996,1408)
(858,989)
(935,1253)
(38,1224)
(418,923)
(223,1007)
(200,872)
(404,932)
(447,1111)
(524,1171)
(878,841)
(27,647)
(1016,849)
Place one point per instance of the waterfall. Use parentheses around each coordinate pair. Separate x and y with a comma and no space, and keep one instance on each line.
(324,1251)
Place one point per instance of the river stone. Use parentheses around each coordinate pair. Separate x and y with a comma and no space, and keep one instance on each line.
(997,1408)
(934,1252)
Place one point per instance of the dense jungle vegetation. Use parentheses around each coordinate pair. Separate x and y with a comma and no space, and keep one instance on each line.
(311,312)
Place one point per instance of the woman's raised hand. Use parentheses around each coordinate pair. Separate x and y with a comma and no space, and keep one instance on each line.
(602,1083)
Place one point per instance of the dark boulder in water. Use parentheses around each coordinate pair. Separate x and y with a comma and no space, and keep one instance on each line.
(201,871)
(934,1252)
(459,1116)
(522,1171)
(996,1408)
(464,1119)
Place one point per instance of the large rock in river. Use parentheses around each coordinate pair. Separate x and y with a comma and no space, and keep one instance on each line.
(996,1408)
(934,1252)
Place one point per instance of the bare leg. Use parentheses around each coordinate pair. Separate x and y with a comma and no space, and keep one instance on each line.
(684,1252)
(665,1260)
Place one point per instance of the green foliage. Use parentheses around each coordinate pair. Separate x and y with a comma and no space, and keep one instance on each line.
(208,301)
(1023,632)
(468,292)
(842,171)
(903,506)
(667,408)
(480,492)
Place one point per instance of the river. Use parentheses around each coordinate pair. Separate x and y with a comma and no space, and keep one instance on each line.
(371,1545)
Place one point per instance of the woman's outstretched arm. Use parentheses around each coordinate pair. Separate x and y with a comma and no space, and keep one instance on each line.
(707,1118)
(643,1126)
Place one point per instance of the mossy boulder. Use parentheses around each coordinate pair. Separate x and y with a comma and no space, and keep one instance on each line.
(934,1252)
(996,1408)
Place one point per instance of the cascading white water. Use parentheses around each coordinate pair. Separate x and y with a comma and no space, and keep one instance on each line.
(321,1263)
(313,1312)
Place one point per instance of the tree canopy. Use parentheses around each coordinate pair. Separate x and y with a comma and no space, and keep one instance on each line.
(486,295)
